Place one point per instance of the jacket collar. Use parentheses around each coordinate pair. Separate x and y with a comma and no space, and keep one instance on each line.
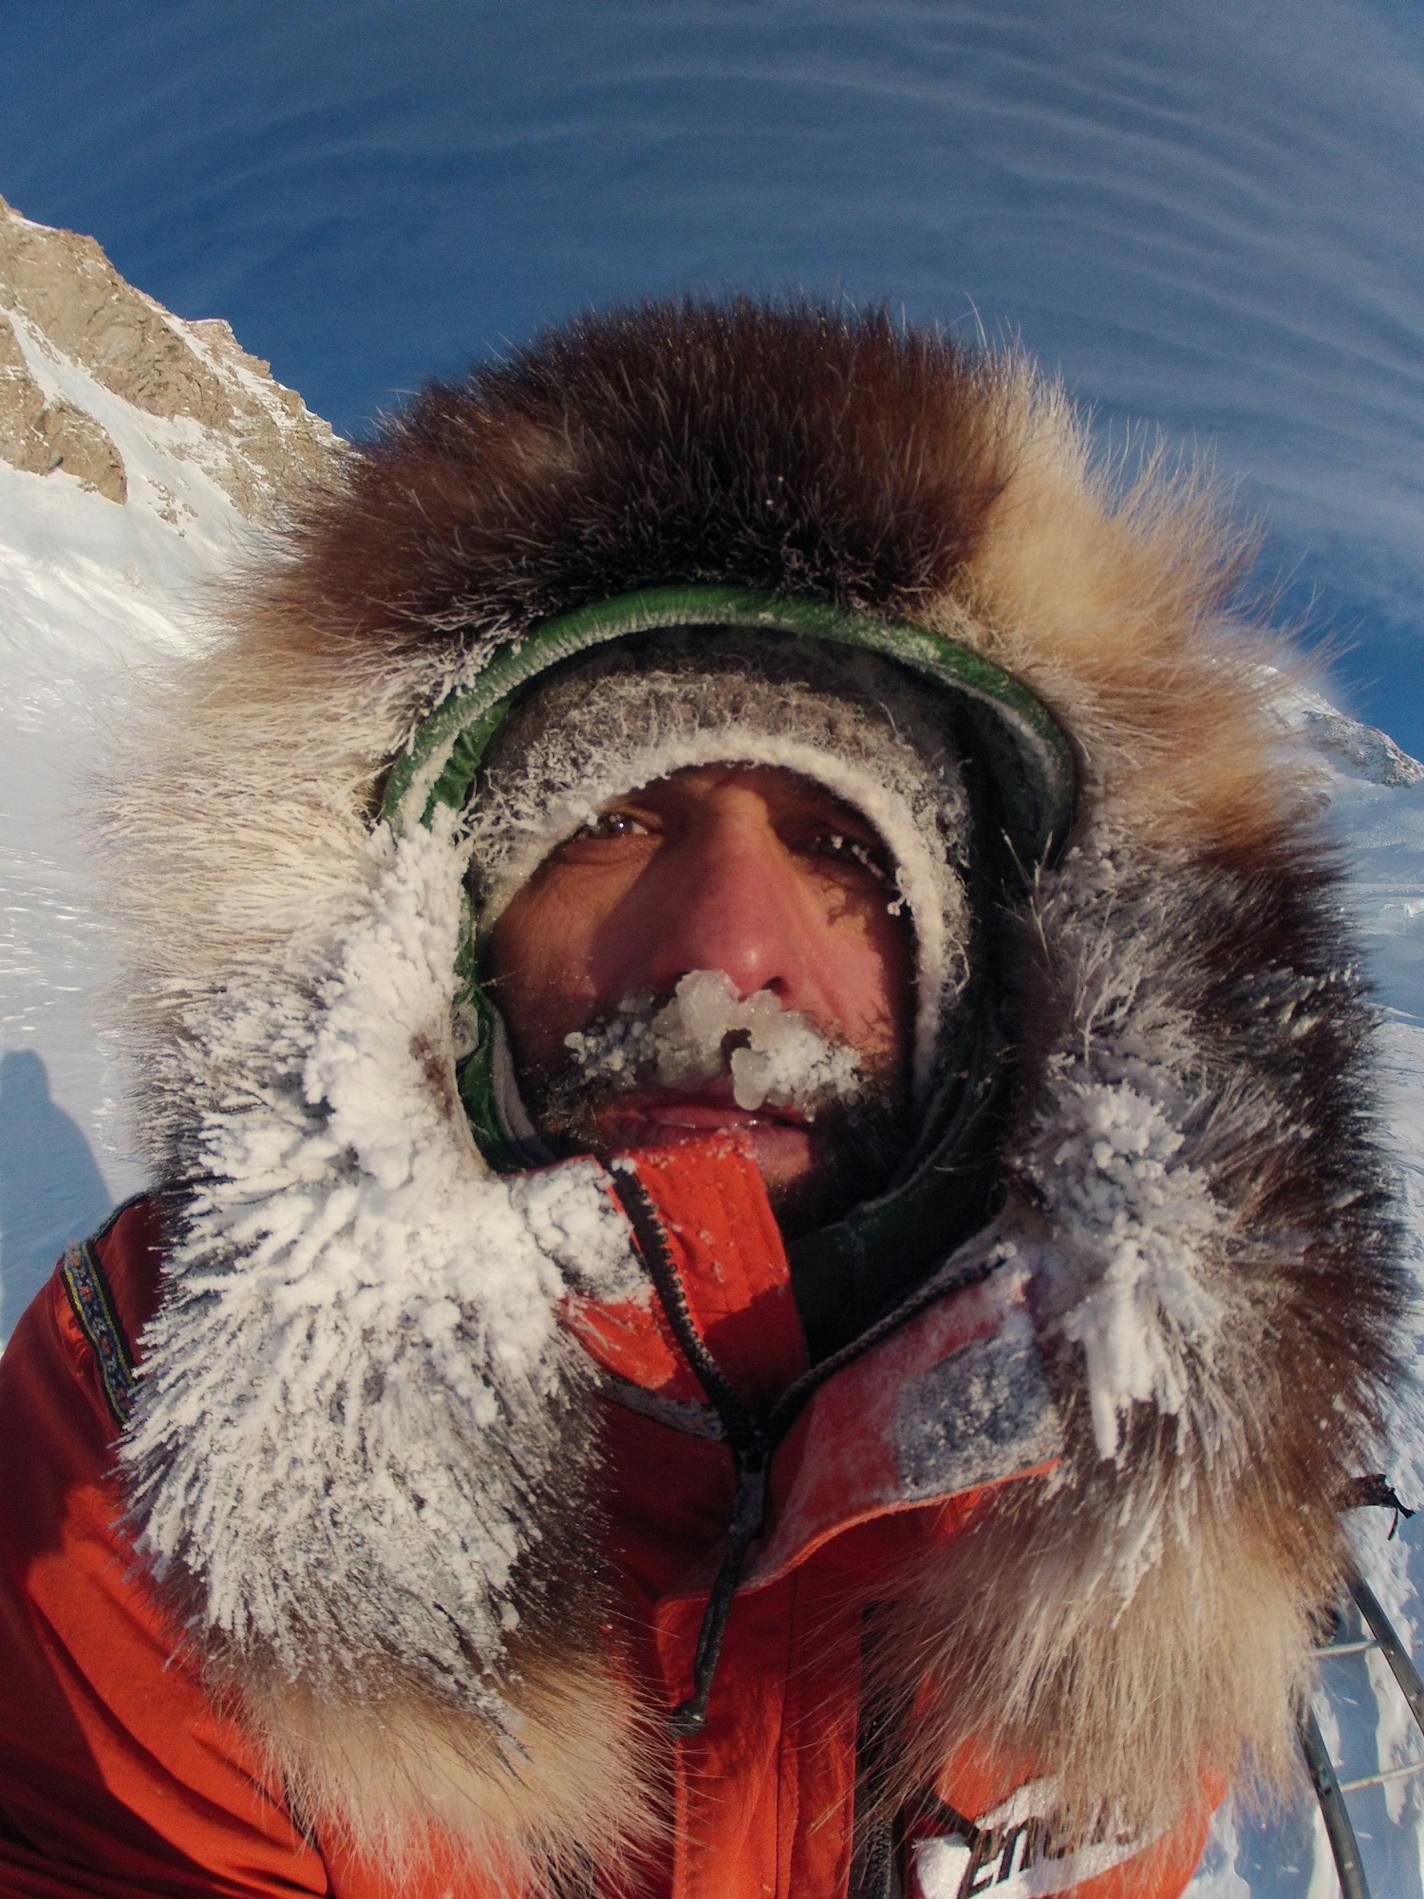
(946,1398)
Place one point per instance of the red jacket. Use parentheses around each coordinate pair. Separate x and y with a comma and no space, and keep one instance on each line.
(118,1776)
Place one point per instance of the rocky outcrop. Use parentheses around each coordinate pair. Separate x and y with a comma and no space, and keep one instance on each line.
(63,306)
(40,436)
(1363,749)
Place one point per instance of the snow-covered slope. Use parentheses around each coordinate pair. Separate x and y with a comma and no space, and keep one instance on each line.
(92,585)
(1375,794)
(179,443)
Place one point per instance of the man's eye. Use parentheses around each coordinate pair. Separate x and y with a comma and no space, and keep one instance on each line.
(840,847)
(612,824)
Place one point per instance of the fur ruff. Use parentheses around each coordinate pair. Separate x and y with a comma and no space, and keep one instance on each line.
(1200,1317)
(402,1780)
(1191,1020)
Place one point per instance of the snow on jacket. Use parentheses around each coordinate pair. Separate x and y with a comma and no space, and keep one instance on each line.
(437,1467)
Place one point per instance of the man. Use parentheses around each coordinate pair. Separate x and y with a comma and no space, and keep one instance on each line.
(766,1258)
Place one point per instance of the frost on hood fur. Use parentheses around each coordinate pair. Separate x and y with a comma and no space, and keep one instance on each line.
(359,1457)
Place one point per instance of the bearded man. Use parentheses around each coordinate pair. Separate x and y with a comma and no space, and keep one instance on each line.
(766,1258)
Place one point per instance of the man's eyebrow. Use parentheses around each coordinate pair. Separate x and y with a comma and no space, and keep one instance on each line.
(814,802)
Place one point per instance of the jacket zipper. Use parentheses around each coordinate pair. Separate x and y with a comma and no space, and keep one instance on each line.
(747,1438)
(876,1836)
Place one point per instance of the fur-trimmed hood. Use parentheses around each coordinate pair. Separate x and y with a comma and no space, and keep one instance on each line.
(361,1453)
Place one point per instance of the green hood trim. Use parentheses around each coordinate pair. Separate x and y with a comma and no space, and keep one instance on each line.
(1025,749)
(1022,816)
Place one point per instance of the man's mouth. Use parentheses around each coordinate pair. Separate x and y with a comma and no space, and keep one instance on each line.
(653,1072)
(778,1137)
(711,1106)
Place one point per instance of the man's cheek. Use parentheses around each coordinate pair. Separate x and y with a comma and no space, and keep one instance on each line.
(538,1014)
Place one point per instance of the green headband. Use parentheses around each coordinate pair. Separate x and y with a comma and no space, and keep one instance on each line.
(1024,749)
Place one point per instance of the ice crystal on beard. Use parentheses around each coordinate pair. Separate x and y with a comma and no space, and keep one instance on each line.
(783,1059)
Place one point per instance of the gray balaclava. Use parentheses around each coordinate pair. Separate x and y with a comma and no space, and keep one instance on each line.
(635,712)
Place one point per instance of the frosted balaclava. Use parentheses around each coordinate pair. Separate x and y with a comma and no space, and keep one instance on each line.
(847,720)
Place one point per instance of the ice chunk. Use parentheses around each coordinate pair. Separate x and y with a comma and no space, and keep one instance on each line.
(778,1056)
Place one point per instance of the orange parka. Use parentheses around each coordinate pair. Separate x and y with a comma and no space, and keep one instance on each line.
(119,1775)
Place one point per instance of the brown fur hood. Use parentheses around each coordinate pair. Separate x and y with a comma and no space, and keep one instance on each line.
(1193,1188)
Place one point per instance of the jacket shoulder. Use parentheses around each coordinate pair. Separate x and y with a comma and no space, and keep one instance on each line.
(119,1772)
(106,1291)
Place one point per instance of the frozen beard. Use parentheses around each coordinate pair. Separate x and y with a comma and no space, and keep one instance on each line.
(638,713)
(646,1065)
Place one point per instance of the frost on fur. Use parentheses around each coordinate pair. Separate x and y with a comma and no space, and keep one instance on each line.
(1149,1225)
(1133,1270)
(1165,1565)
(356,1393)
(783,1059)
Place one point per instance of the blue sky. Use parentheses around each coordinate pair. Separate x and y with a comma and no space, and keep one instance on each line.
(1203,213)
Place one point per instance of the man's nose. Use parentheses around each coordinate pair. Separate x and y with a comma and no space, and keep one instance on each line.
(727,901)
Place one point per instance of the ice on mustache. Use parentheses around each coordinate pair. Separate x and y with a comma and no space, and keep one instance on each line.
(780,1059)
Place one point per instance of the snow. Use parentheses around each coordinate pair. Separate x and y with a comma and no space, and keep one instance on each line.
(783,1060)
(89,589)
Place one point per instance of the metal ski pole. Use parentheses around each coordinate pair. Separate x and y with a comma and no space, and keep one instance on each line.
(1378,1633)
(1390,1646)
(1341,1833)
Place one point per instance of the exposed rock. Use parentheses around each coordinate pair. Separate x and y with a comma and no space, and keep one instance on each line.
(1370,752)
(81,448)
(21,405)
(40,436)
(255,439)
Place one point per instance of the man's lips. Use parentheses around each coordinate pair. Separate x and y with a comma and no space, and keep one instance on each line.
(779,1138)
(704,1112)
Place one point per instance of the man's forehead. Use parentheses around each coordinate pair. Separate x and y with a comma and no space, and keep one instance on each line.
(776,786)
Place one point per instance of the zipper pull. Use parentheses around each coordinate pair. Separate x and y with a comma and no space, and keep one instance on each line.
(743,1528)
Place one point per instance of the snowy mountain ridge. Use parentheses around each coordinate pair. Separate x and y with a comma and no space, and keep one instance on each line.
(1350,748)
(72,332)
(138,454)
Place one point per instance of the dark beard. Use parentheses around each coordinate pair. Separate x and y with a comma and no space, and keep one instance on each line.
(857,1151)
(857,1145)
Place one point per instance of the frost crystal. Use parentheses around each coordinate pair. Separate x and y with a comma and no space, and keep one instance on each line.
(781,1059)
(355,1391)
(1137,1232)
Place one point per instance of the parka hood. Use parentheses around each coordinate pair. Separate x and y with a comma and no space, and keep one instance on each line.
(362,1454)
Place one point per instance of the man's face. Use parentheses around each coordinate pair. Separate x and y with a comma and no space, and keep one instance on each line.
(755,873)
